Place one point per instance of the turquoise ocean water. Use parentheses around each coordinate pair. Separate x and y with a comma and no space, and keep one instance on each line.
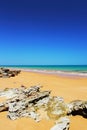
(72,68)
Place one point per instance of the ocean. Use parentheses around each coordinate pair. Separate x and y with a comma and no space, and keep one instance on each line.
(69,68)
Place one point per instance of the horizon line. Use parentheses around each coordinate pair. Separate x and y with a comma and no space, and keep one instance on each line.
(43,65)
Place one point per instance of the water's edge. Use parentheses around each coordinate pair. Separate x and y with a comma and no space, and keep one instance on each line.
(80,71)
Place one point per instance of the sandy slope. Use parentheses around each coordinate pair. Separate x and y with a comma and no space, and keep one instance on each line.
(67,87)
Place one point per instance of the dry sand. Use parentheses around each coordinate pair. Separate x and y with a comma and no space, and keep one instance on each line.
(70,88)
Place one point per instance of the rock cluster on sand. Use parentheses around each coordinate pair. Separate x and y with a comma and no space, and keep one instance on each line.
(7,73)
(37,104)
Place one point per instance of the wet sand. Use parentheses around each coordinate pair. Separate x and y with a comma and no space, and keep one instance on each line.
(70,88)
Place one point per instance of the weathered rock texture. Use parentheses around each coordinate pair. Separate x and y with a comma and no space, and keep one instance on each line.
(62,124)
(34,103)
(7,73)
(78,107)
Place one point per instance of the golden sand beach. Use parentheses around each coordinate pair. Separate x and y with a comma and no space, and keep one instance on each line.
(70,88)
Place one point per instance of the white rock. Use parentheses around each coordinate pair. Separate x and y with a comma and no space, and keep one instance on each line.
(62,124)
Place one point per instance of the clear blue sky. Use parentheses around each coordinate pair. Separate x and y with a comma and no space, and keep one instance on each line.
(43,32)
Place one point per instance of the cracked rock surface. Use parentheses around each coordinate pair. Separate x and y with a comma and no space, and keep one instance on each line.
(34,103)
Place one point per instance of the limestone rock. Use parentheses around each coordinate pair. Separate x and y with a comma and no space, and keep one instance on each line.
(7,73)
(34,103)
(3,107)
(62,124)
(56,108)
(78,107)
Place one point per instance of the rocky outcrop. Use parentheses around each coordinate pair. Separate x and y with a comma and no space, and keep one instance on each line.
(34,103)
(22,102)
(7,73)
(78,107)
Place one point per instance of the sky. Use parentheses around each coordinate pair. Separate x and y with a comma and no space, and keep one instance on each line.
(43,32)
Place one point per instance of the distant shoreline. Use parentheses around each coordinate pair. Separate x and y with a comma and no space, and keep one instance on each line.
(60,70)
(65,68)
(54,72)
(59,73)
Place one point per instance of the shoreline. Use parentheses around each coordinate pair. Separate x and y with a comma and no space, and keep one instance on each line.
(55,72)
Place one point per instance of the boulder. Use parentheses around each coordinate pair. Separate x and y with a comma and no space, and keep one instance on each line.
(78,107)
